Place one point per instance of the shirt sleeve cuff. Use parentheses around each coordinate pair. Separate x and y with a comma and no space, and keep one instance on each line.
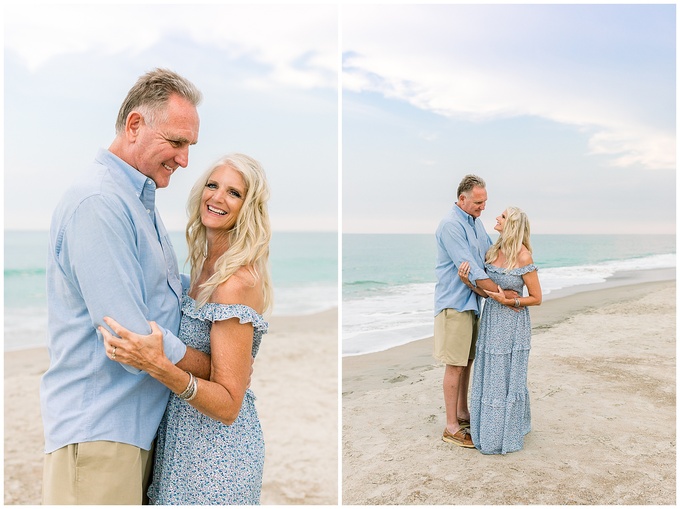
(475,275)
(130,369)
(173,347)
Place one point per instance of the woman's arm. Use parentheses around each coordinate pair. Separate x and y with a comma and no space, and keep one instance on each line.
(532,283)
(535,296)
(485,287)
(463,272)
(231,345)
(196,362)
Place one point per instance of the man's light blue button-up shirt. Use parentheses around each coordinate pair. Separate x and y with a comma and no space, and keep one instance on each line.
(109,255)
(460,237)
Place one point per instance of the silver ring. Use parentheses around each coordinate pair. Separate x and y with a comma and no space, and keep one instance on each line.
(113,353)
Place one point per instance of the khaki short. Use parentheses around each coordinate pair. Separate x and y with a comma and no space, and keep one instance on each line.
(97,473)
(455,337)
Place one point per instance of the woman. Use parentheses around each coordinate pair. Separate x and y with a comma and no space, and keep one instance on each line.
(210,448)
(500,415)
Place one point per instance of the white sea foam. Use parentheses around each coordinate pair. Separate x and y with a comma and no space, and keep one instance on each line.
(26,327)
(558,278)
(402,314)
(304,300)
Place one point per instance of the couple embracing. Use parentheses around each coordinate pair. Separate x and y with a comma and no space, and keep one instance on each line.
(175,377)
(469,268)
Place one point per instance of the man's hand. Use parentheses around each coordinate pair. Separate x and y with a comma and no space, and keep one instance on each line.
(501,296)
(505,297)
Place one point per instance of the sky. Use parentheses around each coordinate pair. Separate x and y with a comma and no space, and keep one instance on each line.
(566,111)
(268,73)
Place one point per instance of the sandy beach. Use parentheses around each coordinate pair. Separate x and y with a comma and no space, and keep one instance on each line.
(602,387)
(296,384)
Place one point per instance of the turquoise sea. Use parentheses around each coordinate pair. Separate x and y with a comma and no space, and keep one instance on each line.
(388,280)
(304,271)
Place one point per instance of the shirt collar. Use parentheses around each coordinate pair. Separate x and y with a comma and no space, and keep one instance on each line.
(464,215)
(140,182)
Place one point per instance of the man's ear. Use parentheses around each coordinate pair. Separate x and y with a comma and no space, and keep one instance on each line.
(133,124)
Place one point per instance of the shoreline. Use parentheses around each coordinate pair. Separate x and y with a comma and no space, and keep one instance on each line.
(602,383)
(313,316)
(543,317)
(618,279)
(299,423)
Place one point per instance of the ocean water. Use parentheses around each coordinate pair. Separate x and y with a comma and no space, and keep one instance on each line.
(388,280)
(304,270)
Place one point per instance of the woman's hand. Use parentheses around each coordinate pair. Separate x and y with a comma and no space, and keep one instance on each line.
(464,272)
(136,350)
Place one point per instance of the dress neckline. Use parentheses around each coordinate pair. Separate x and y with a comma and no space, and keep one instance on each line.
(497,268)
(193,305)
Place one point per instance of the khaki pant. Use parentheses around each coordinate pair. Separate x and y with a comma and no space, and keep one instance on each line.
(97,473)
(455,337)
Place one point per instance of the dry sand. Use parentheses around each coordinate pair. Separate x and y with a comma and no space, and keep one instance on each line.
(296,384)
(602,386)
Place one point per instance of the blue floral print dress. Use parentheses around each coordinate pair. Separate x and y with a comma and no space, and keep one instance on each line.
(198,460)
(500,413)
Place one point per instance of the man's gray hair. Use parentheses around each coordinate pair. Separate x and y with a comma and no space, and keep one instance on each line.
(468,183)
(151,93)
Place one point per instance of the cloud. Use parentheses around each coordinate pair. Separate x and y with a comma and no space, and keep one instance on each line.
(268,74)
(480,63)
(240,31)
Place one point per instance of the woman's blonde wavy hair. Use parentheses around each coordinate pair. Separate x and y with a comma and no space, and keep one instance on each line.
(248,239)
(516,232)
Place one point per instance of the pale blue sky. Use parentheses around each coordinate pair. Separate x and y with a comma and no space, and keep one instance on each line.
(567,111)
(269,75)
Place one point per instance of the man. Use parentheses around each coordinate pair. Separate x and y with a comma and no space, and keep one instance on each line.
(460,237)
(110,255)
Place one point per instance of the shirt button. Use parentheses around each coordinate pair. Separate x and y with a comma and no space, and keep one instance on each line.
(148,211)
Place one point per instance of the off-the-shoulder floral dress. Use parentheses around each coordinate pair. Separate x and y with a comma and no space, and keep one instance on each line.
(198,460)
(500,414)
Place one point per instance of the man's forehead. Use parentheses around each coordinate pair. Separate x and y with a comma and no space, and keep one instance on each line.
(478,194)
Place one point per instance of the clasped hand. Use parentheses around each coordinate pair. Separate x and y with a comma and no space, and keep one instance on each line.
(498,296)
(139,351)
(463,272)
(505,297)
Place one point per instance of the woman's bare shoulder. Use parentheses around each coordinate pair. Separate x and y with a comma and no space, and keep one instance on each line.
(524,257)
(243,287)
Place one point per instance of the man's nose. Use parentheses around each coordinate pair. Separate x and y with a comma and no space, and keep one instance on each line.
(182,158)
